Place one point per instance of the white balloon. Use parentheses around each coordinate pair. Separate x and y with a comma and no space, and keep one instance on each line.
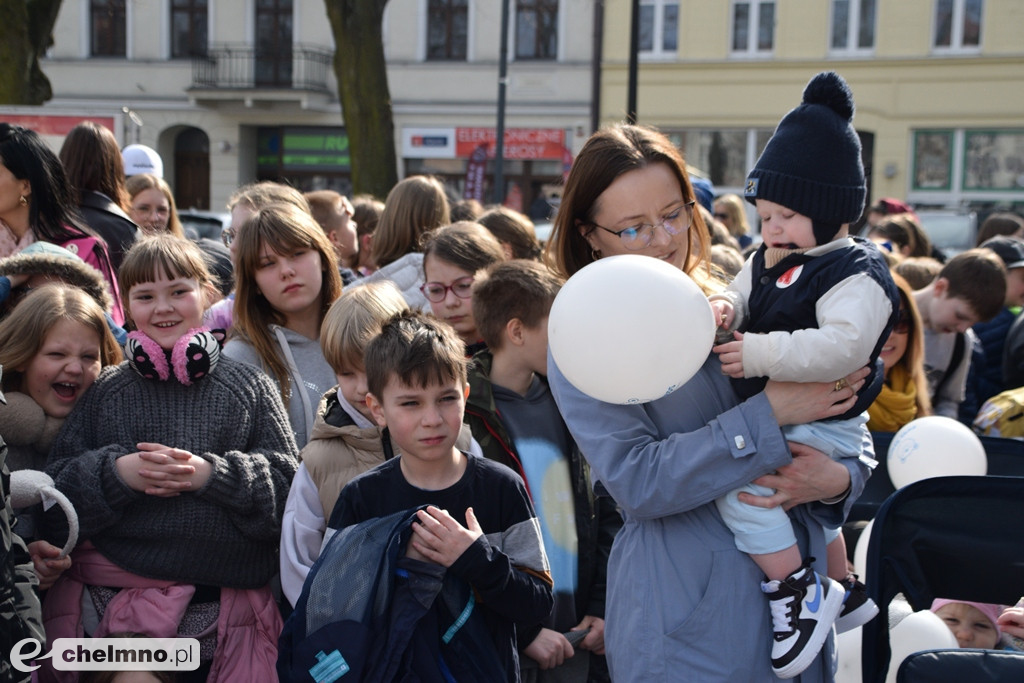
(860,551)
(848,652)
(934,446)
(630,329)
(922,630)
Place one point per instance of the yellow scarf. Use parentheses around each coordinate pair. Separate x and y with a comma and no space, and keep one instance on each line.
(896,405)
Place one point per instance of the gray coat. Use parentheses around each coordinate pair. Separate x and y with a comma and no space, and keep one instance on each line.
(683,603)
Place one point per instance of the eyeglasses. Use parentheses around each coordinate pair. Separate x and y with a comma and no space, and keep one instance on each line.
(640,236)
(437,292)
(227,236)
(902,325)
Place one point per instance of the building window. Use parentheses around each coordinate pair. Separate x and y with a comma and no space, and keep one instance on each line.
(753,27)
(958,24)
(107,30)
(536,29)
(447,29)
(188,28)
(659,28)
(274,43)
(993,159)
(933,160)
(853,25)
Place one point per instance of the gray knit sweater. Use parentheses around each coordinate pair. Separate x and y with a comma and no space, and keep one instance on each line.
(224,534)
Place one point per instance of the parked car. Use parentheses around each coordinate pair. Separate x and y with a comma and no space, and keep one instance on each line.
(950,230)
(207,224)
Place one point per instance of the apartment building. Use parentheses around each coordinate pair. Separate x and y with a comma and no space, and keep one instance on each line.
(939,86)
(238,90)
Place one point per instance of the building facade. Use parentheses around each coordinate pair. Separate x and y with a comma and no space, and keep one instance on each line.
(939,87)
(242,90)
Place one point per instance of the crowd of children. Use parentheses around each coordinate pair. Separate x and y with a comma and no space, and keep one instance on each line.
(363,459)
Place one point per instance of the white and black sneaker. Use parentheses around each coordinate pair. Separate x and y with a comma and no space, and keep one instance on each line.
(858,608)
(804,605)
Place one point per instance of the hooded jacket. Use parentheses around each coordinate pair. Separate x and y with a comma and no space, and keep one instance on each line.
(308,372)
(68,268)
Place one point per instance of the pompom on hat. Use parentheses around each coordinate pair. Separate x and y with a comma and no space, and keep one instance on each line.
(812,164)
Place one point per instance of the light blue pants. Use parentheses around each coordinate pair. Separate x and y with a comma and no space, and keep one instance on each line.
(759,531)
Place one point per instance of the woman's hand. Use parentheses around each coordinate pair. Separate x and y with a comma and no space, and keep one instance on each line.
(812,476)
(802,402)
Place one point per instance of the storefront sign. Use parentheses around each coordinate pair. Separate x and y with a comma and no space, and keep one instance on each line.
(520,143)
(428,143)
(304,149)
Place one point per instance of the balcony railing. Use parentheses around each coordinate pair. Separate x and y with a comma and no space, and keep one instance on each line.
(242,66)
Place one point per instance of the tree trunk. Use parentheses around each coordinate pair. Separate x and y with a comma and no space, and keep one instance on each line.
(363,88)
(25,34)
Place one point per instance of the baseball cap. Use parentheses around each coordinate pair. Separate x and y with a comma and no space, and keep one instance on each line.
(1009,249)
(142,159)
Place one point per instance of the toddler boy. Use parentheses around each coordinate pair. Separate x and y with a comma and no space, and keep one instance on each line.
(814,305)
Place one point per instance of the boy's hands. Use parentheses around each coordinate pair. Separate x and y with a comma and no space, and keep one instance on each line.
(439,538)
(549,649)
(731,356)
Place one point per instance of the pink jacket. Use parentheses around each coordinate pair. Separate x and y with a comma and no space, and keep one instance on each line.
(247,628)
(94,252)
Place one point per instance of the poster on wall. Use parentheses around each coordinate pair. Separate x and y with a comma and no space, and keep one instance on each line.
(933,160)
(994,160)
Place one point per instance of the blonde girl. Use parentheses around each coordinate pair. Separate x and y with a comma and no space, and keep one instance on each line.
(287,275)
(178,463)
(52,348)
(730,210)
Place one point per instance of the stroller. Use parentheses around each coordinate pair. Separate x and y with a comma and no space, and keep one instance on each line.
(951,537)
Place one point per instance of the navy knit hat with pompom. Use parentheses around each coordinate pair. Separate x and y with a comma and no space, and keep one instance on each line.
(812,164)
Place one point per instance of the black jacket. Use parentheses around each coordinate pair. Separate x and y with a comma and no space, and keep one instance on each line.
(109,222)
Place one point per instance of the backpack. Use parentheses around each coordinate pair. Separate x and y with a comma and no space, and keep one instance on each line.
(1002,415)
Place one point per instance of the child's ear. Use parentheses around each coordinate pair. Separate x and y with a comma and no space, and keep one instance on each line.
(941,287)
(514,331)
(376,409)
(465,392)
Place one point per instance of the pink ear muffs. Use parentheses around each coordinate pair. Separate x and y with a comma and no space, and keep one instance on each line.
(193,357)
(146,357)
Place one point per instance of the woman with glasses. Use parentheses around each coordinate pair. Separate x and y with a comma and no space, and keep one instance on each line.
(904,396)
(287,275)
(452,256)
(152,205)
(679,592)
